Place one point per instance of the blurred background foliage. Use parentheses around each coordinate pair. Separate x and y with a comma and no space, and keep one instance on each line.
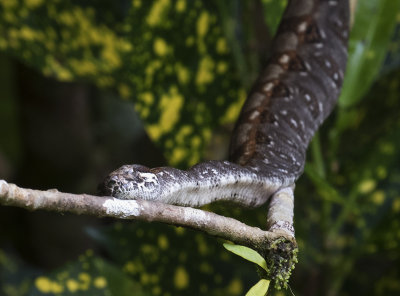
(86,86)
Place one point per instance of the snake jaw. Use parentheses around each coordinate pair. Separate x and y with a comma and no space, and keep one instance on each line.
(131,182)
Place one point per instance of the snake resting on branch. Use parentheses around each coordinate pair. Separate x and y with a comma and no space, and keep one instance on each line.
(293,95)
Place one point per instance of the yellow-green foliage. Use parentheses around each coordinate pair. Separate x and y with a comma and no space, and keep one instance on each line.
(89,275)
(175,261)
(364,220)
(172,59)
(169,57)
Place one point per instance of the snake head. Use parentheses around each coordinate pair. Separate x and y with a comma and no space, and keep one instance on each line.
(130,182)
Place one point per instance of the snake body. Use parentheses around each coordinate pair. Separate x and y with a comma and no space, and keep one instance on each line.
(291,98)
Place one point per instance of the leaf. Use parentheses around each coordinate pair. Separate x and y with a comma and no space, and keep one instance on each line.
(370,37)
(259,289)
(90,275)
(326,190)
(138,248)
(171,59)
(248,254)
(273,11)
(15,274)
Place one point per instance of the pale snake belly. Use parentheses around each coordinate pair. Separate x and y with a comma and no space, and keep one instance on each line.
(291,98)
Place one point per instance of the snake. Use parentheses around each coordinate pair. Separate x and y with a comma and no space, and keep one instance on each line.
(291,98)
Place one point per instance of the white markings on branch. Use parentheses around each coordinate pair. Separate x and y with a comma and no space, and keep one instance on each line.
(100,206)
(191,214)
(122,208)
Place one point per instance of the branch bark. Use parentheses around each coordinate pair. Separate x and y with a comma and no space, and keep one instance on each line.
(265,242)
(213,224)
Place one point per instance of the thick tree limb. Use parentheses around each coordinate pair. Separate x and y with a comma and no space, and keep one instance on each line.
(265,242)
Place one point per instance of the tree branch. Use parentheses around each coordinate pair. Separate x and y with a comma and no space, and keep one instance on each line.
(265,242)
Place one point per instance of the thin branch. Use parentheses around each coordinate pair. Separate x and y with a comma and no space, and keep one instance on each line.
(277,247)
(213,224)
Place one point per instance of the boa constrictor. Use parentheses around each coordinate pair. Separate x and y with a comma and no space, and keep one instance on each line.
(291,98)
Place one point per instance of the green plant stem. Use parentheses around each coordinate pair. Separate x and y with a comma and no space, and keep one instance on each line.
(344,265)
(319,166)
(326,190)
(229,24)
(318,160)
(344,268)
(343,215)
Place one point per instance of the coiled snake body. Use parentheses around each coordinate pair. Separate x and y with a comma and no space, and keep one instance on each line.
(291,98)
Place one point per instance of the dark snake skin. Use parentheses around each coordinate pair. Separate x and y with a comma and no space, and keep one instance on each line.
(291,98)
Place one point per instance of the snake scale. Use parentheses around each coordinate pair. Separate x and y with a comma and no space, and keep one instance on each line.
(291,98)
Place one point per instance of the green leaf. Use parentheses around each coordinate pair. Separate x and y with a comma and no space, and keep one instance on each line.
(90,275)
(326,190)
(259,289)
(370,37)
(248,254)
(15,274)
(171,59)
(138,248)
(273,11)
